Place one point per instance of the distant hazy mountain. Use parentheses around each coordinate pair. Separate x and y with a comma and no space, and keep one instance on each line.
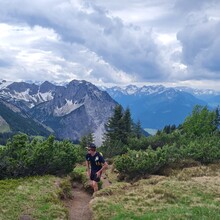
(71,111)
(211,97)
(79,107)
(156,106)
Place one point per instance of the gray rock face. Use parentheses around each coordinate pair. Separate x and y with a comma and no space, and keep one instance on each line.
(71,111)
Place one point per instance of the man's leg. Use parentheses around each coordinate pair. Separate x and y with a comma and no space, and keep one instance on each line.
(94,181)
(95,186)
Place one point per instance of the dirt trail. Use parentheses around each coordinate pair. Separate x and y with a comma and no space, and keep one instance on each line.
(79,205)
(105,181)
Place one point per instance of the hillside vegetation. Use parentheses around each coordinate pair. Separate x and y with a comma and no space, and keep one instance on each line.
(33,198)
(191,193)
(172,175)
(4,127)
(24,157)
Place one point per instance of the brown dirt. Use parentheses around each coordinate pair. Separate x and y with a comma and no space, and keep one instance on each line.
(105,181)
(79,206)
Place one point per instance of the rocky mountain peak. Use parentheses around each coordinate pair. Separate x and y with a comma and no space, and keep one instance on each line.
(46,87)
(73,110)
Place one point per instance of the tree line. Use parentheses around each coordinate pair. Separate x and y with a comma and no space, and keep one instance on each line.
(197,138)
(134,154)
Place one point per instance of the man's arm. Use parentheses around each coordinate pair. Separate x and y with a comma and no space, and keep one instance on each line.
(104,167)
(87,168)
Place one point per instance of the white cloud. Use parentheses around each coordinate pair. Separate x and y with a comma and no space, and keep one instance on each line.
(201,44)
(37,53)
(110,41)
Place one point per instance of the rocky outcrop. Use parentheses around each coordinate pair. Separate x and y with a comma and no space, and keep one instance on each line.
(71,111)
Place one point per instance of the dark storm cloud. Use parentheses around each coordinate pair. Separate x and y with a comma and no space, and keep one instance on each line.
(123,46)
(108,41)
(201,47)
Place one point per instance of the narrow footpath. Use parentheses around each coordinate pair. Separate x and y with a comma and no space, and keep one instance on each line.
(79,205)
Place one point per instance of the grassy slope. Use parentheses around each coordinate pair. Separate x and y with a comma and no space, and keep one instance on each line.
(4,127)
(193,193)
(37,197)
(17,122)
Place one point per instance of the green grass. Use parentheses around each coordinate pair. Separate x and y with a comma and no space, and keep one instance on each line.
(37,197)
(79,174)
(160,197)
(4,127)
(190,193)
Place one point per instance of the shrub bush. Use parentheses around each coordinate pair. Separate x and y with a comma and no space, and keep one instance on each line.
(144,162)
(205,150)
(139,163)
(22,157)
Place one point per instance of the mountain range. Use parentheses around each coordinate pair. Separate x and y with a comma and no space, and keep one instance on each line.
(79,107)
(70,111)
(156,106)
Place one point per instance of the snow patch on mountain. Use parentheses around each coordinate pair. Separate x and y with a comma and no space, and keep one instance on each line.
(24,95)
(47,96)
(67,108)
(131,89)
(150,90)
(198,92)
(32,99)
(135,90)
(156,89)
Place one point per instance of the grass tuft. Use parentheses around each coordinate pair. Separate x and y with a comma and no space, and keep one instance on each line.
(32,197)
(192,193)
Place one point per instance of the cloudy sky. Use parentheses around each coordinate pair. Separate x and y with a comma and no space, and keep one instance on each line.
(170,42)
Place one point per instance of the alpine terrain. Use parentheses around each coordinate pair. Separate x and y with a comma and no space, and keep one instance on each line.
(71,111)
(156,106)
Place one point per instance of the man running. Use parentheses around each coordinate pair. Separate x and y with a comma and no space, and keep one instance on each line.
(95,164)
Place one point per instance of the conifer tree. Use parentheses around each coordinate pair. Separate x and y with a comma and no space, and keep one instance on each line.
(217,120)
(173,128)
(128,125)
(86,139)
(119,127)
(114,126)
(137,130)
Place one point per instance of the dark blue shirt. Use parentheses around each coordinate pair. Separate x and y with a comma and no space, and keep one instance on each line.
(95,161)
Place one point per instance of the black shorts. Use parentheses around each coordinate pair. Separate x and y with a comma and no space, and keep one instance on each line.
(93,176)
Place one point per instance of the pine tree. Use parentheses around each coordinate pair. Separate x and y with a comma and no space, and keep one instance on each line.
(138,131)
(173,128)
(118,127)
(86,139)
(127,123)
(217,120)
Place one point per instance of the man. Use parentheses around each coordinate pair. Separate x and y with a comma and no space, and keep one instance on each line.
(95,164)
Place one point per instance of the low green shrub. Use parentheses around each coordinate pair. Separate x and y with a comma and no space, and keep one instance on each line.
(205,150)
(144,162)
(22,157)
(139,163)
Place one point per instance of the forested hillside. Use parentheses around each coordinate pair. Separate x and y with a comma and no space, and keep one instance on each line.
(172,168)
